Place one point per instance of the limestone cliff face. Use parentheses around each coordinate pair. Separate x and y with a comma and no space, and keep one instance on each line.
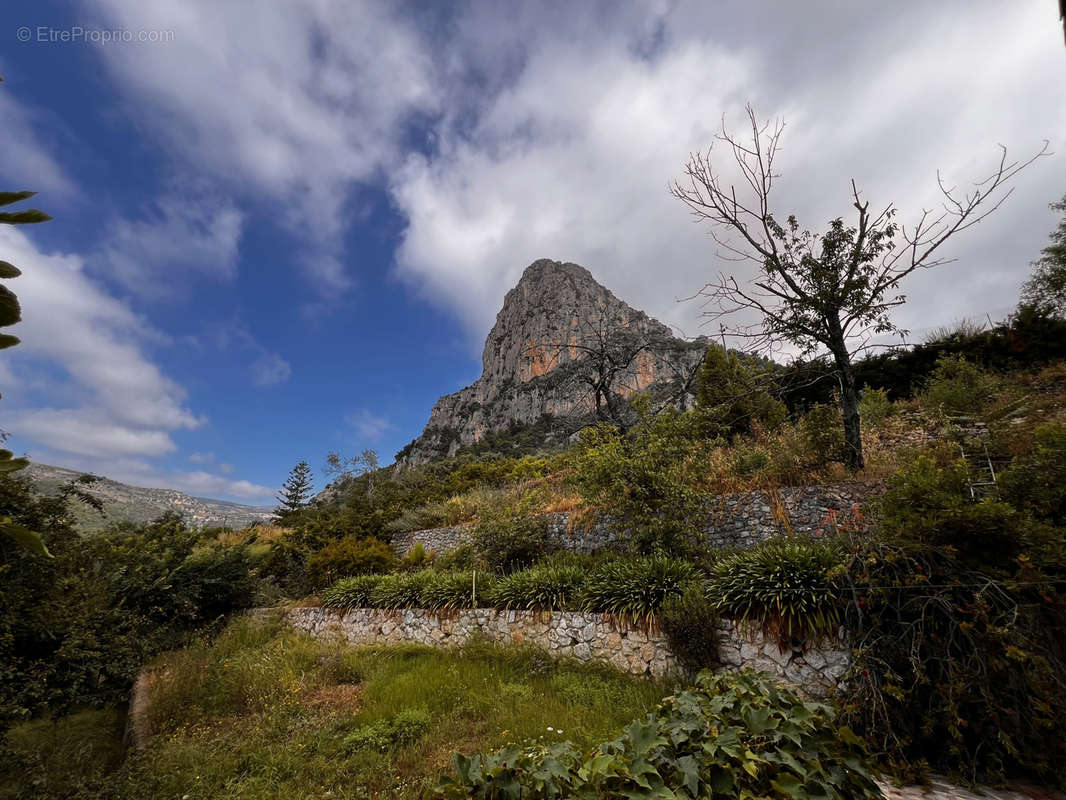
(558,334)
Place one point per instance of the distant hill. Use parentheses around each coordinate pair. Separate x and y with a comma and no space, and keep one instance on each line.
(139,504)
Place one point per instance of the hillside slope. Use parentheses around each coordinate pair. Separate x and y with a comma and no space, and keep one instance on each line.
(142,504)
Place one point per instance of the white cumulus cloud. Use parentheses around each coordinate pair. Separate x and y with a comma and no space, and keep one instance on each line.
(96,389)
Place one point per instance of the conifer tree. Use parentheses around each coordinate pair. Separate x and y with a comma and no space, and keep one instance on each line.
(295,492)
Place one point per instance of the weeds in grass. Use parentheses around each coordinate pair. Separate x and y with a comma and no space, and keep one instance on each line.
(396,730)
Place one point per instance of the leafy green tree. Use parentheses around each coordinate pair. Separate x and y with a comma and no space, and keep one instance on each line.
(636,479)
(830,292)
(1046,289)
(732,395)
(295,492)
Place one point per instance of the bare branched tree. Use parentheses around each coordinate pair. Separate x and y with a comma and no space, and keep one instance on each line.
(830,292)
(603,360)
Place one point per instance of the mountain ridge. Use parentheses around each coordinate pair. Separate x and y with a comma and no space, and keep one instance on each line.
(138,504)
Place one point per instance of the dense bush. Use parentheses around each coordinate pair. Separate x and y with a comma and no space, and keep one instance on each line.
(958,632)
(1027,340)
(461,558)
(349,593)
(540,588)
(506,539)
(690,622)
(75,629)
(733,394)
(929,506)
(875,407)
(634,589)
(349,556)
(783,586)
(823,432)
(732,735)
(1036,482)
(637,479)
(958,386)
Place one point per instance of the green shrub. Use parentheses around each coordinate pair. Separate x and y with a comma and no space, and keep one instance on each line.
(822,429)
(417,557)
(690,622)
(732,735)
(451,590)
(399,729)
(926,505)
(401,590)
(540,588)
(461,559)
(958,386)
(875,407)
(349,556)
(1037,482)
(506,540)
(732,394)
(784,586)
(634,589)
(349,593)
(637,478)
(955,669)
(749,460)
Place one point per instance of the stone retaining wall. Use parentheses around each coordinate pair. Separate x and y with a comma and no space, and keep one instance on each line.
(734,520)
(568,634)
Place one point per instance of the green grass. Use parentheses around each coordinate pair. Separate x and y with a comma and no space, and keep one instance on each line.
(265,712)
(70,757)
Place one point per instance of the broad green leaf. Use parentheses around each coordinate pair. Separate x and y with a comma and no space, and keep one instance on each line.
(29,539)
(791,785)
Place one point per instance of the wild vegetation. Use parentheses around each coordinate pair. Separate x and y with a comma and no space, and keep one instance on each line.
(262,712)
(949,590)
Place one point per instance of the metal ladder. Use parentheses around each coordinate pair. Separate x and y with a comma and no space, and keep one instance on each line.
(980,465)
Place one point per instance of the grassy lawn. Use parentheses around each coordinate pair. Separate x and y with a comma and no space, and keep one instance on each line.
(263,712)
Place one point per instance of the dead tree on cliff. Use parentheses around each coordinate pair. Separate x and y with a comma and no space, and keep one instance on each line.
(604,367)
(820,292)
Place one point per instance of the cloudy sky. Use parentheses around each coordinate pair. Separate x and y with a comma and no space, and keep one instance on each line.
(285,229)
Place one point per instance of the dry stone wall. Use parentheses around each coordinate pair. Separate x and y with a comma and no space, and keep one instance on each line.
(568,634)
(734,520)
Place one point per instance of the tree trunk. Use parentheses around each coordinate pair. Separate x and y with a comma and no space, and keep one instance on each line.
(849,395)
(849,405)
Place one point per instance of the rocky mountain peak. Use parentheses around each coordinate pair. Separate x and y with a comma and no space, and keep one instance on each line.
(563,348)
(547,318)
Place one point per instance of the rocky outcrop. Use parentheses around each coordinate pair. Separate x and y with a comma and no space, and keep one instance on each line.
(561,342)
